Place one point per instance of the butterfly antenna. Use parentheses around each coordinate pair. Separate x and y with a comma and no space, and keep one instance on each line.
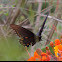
(41,30)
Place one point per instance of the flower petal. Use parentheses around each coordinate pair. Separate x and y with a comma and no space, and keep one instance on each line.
(57,42)
(32,59)
(36,55)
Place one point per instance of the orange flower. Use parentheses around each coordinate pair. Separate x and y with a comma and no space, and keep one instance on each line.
(45,56)
(39,51)
(59,58)
(58,50)
(57,42)
(42,57)
(60,47)
(36,55)
(32,59)
(51,44)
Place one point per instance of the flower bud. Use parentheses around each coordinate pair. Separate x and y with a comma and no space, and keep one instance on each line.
(51,44)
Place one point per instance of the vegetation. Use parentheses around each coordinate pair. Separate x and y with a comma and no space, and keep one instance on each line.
(29,14)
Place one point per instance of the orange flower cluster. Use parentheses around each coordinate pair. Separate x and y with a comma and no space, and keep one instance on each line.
(42,56)
(57,42)
(39,56)
(57,48)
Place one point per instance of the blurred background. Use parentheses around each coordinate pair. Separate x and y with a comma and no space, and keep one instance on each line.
(30,14)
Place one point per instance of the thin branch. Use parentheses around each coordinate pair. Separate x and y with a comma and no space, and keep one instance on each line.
(38,17)
(51,18)
(54,24)
(17,13)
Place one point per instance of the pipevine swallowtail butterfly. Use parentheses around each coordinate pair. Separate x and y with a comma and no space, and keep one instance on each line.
(27,37)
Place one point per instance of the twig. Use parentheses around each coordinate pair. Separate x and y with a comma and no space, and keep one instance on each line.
(16,14)
(54,24)
(38,17)
(7,7)
(28,52)
(51,18)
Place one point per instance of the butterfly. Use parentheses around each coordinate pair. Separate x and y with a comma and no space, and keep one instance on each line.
(27,37)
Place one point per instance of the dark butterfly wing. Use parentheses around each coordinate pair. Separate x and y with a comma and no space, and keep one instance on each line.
(26,37)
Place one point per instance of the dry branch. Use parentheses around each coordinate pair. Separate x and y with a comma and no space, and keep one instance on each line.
(17,12)
(38,17)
